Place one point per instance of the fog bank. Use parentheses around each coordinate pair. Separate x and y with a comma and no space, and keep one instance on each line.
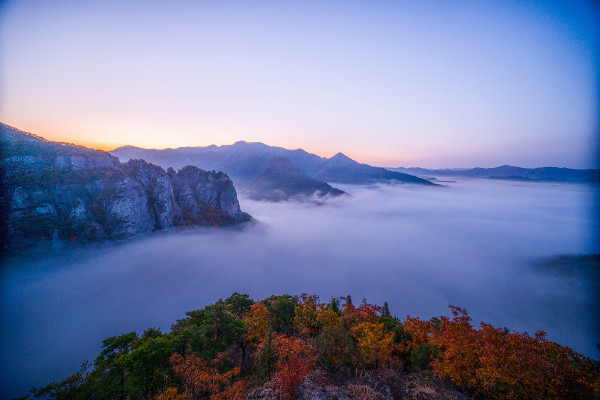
(472,243)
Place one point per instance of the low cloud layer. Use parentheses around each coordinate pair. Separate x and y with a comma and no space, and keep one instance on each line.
(471,243)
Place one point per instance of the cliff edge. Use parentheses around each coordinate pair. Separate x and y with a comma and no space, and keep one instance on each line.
(58,193)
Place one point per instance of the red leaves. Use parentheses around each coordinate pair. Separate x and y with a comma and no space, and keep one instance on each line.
(201,379)
(363,313)
(504,365)
(296,360)
(293,358)
(488,361)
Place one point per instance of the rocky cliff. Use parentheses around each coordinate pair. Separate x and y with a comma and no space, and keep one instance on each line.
(271,173)
(57,193)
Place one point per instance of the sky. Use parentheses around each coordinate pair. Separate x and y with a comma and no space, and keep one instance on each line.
(393,83)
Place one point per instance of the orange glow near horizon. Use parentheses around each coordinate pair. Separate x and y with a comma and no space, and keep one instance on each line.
(60,135)
(107,135)
(520,93)
(50,134)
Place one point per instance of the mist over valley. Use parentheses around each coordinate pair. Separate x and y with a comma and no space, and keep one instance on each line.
(196,197)
(474,243)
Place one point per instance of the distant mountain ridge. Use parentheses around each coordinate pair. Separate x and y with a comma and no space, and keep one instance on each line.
(513,173)
(57,193)
(341,168)
(272,173)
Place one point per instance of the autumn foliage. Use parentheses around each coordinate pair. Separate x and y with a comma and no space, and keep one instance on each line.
(202,379)
(228,349)
(505,365)
(295,360)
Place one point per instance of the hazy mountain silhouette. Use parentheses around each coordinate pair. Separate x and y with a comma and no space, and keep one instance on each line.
(341,168)
(513,173)
(272,173)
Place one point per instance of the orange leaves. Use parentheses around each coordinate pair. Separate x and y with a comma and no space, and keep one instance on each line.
(259,322)
(488,361)
(283,338)
(418,330)
(288,347)
(374,343)
(345,337)
(503,365)
(367,312)
(202,379)
(306,315)
(364,313)
(172,394)
(290,357)
(461,354)
(237,391)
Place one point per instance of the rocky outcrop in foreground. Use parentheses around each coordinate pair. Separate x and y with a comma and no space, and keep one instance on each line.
(60,193)
(382,385)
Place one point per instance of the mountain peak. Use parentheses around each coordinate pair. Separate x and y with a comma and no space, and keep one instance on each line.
(127,147)
(244,143)
(341,156)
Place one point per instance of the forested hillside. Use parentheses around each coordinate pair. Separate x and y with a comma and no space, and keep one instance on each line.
(288,347)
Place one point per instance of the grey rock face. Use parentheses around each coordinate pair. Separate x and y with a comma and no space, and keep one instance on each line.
(20,200)
(23,159)
(195,186)
(158,190)
(84,162)
(79,195)
(128,210)
(79,212)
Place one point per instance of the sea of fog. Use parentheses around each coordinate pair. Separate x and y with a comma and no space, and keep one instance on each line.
(471,243)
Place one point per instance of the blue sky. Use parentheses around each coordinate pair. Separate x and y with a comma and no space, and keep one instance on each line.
(395,83)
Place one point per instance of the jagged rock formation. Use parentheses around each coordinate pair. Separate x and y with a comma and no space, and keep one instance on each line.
(273,173)
(262,172)
(56,193)
(195,188)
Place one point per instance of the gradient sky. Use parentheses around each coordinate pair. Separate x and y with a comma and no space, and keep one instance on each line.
(398,83)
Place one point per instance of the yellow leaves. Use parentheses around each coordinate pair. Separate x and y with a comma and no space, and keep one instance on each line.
(320,323)
(306,315)
(328,317)
(259,322)
(375,345)
(172,394)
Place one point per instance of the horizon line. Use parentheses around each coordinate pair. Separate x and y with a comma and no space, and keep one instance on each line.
(107,149)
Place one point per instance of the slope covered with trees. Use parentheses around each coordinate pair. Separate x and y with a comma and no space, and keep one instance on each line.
(288,347)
